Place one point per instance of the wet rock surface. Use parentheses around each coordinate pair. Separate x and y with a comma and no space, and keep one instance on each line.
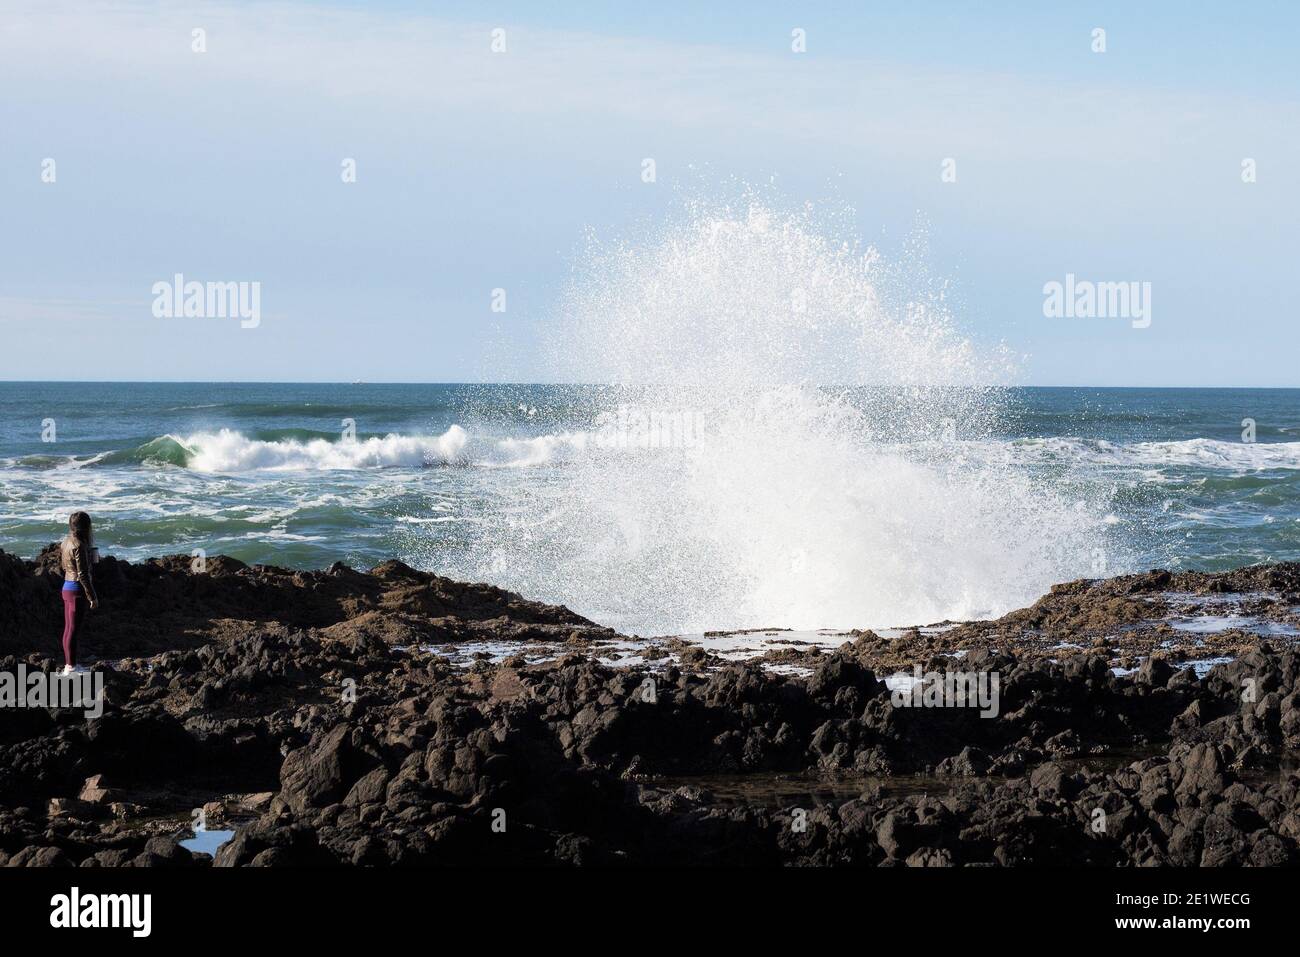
(313,715)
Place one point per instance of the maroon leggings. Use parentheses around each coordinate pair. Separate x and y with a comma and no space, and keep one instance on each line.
(74,605)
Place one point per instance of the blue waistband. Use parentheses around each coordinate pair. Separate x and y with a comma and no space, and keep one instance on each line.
(71,586)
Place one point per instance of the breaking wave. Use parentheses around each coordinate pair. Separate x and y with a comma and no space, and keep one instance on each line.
(633,429)
(228,450)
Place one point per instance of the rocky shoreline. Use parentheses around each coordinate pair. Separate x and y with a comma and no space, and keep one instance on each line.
(394,717)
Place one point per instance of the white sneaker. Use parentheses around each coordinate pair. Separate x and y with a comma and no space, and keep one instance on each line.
(67,670)
(74,670)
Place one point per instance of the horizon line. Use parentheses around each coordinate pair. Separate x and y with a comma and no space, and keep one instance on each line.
(1224,388)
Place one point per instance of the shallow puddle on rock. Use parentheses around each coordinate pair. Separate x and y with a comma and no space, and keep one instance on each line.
(634,652)
(1262,778)
(466,654)
(1202,666)
(794,790)
(738,644)
(1211,624)
(1112,760)
(206,841)
(1217,598)
(784,790)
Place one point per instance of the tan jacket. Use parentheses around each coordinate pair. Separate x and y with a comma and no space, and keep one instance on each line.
(76,559)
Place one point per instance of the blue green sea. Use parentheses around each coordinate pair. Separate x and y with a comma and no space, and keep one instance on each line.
(700,517)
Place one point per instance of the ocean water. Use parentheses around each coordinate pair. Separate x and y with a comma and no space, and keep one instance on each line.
(658,510)
(792,431)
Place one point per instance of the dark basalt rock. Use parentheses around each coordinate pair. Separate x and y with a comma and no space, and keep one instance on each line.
(165,604)
(253,680)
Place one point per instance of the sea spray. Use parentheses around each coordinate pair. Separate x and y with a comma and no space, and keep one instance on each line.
(826,483)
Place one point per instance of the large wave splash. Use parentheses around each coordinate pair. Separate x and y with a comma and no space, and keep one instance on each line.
(802,503)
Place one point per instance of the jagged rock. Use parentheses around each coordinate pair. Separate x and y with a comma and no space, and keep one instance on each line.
(320,773)
(96,791)
(287,688)
(69,807)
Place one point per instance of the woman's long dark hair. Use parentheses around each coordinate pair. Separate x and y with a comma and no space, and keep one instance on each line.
(79,529)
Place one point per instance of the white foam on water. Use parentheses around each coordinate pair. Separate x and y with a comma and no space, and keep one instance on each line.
(1198,453)
(231,451)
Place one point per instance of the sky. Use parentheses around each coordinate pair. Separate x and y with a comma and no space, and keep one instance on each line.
(479,170)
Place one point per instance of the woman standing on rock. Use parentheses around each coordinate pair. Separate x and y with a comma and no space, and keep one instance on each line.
(78,555)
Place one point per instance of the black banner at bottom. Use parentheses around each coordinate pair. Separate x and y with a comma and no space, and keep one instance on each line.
(336,906)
